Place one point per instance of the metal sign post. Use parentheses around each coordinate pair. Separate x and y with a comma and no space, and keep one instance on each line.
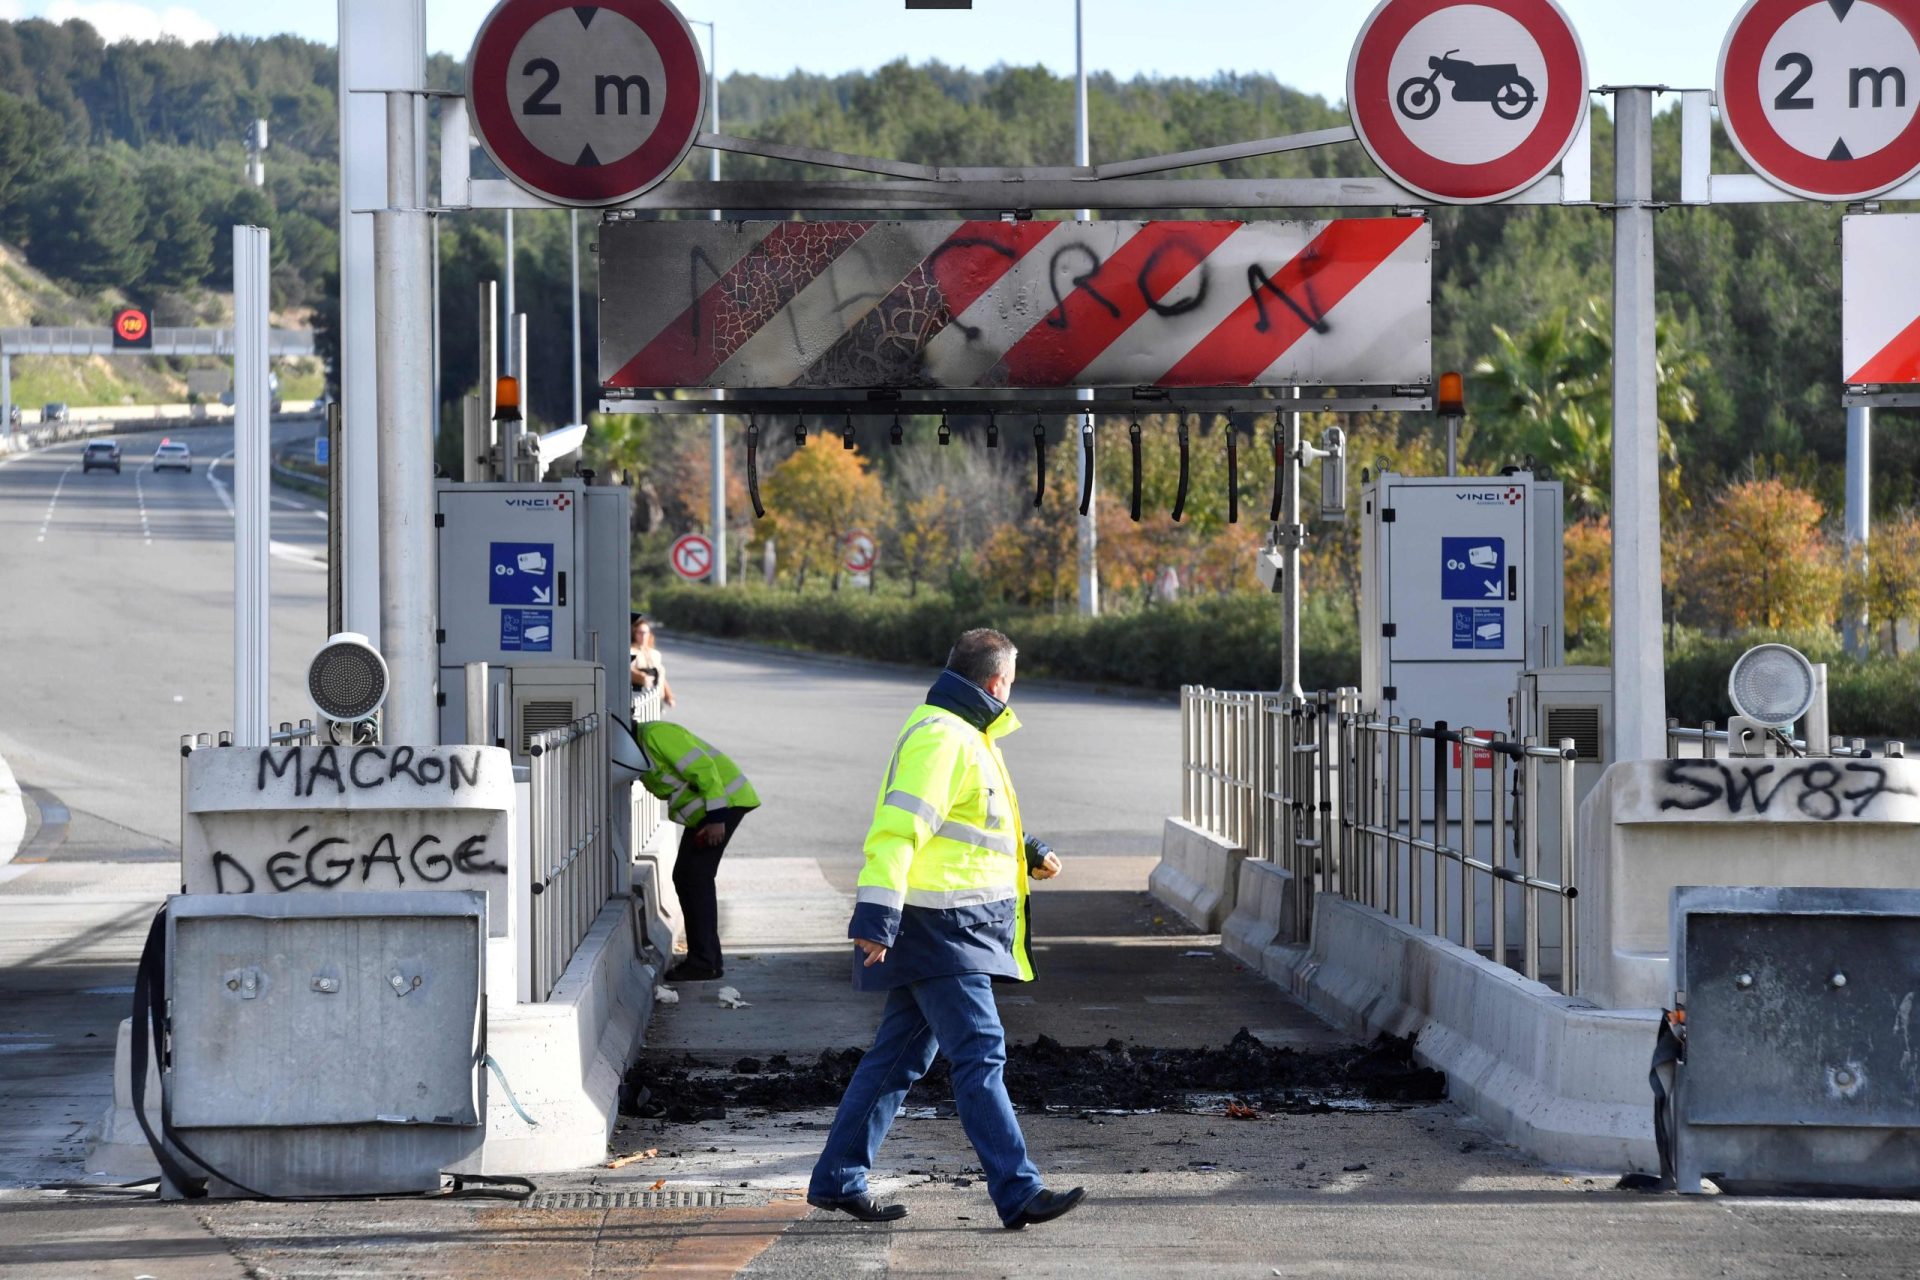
(252,446)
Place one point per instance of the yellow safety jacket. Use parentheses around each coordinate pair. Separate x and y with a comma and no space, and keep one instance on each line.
(944,886)
(696,781)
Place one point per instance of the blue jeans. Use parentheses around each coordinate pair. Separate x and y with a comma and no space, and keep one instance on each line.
(955,1014)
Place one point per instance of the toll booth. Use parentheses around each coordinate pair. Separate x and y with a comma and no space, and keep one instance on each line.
(534,582)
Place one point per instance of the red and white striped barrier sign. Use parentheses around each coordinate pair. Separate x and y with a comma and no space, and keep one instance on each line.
(760,305)
(1880,299)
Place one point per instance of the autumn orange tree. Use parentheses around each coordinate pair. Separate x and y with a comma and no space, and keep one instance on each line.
(815,497)
(1761,559)
(1589,577)
(1889,575)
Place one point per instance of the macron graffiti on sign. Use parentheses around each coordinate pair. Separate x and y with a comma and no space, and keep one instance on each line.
(350,819)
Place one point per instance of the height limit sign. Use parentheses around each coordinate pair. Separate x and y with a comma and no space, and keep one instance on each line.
(1822,97)
(586,104)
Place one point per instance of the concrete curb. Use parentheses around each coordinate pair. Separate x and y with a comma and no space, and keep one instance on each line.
(1198,875)
(1556,1077)
(13,814)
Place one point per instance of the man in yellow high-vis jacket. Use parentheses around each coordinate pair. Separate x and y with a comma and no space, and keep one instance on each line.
(940,914)
(707,795)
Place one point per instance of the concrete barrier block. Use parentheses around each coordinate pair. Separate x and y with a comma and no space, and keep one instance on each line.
(1562,1080)
(1262,913)
(1198,875)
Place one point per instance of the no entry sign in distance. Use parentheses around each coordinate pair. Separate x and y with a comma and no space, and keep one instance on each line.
(691,557)
(1467,103)
(1822,97)
(586,104)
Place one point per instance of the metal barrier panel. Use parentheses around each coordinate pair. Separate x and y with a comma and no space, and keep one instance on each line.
(571,874)
(649,810)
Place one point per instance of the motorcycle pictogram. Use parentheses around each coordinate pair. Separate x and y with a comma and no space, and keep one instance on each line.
(1500,85)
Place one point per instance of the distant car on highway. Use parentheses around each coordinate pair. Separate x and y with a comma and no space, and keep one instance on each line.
(104,454)
(52,413)
(172,453)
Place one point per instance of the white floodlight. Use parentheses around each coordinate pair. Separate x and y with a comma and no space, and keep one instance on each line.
(1772,685)
(347,679)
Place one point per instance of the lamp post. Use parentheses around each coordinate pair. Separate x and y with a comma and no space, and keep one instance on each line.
(717,576)
(1089,527)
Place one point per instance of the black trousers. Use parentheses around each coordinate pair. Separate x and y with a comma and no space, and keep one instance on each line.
(693,876)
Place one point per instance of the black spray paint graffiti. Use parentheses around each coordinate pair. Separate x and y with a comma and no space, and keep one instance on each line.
(318,862)
(1311,315)
(1820,790)
(366,768)
(1081,283)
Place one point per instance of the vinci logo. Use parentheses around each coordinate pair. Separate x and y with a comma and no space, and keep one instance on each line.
(558,502)
(1511,495)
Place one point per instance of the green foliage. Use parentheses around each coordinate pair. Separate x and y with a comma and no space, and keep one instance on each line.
(1879,697)
(1226,641)
(89,222)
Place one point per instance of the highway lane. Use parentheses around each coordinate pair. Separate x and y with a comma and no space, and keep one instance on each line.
(116,637)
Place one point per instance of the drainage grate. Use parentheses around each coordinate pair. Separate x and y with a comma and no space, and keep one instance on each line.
(635,1200)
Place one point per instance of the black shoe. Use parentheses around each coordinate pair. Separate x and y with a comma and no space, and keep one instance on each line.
(1046,1206)
(693,971)
(862,1206)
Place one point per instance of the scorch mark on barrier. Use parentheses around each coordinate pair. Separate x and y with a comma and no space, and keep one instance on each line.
(1814,789)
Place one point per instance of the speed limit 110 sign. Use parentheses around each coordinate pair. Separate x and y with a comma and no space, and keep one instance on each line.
(586,104)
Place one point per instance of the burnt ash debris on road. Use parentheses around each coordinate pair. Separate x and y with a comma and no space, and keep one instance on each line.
(1047,1074)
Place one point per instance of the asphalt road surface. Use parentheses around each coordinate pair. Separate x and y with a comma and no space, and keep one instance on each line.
(116,638)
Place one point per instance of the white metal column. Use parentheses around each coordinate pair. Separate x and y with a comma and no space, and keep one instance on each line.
(573,256)
(1088,524)
(402,247)
(252,431)
(1857,623)
(1639,672)
(383,45)
(717,425)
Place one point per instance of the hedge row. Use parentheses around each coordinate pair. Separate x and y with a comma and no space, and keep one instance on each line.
(1230,642)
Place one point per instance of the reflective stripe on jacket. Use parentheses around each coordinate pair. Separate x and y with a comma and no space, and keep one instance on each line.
(695,780)
(944,885)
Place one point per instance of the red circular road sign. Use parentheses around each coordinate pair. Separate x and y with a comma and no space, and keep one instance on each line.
(1467,101)
(861,552)
(131,324)
(691,556)
(586,104)
(1822,97)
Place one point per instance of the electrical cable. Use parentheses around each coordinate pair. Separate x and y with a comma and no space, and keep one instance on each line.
(1086,464)
(1039,461)
(1180,494)
(1279,444)
(1233,473)
(753,467)
(1133,433)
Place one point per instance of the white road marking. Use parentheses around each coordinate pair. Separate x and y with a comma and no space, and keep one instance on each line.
(51,502)
(225,497)
(284,550)
(146,531)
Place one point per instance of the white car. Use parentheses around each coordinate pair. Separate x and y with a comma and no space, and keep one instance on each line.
(172,453)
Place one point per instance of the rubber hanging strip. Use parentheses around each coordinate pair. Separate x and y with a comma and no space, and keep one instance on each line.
(895,435)
(1233,472)
(1086,464)
(846,433)
(753,467)
(993,432)
(1133,434)
(1039,461)
(1279,476)
(800,432)
(1180,494)
(946,432)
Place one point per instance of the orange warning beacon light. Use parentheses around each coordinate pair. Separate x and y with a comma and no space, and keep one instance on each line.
(1451,402)
(506,399)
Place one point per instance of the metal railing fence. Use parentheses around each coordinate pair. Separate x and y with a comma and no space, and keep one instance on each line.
(1454,832)
(649,810)
(1709,743)
(570,862)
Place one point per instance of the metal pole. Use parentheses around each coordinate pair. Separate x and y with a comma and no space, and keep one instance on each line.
(6,393)
(1088,531)
(525,427)
(573,252)
(403,299)
(252,428)
(1857,623)
(383,45)
(1639,675)
(717,424)
(336,503)
(506,339)
(1292,533)
(480,441)
(433,273)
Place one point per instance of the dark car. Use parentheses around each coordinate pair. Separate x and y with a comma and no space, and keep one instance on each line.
(52,413)
(104,454)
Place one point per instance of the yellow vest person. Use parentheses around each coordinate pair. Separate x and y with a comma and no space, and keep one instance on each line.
(940,913)
(708,795)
